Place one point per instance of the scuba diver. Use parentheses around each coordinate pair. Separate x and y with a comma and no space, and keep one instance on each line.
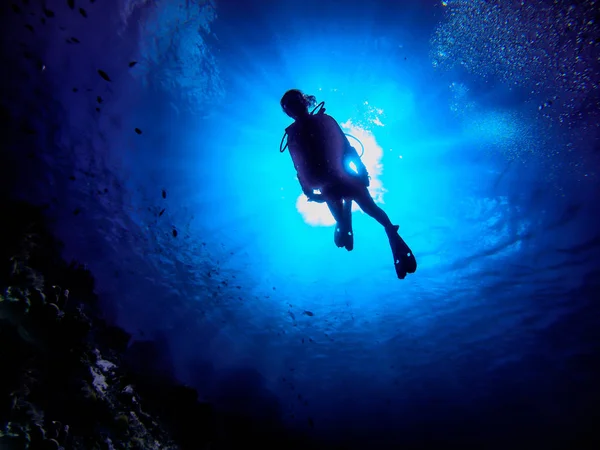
(330,171)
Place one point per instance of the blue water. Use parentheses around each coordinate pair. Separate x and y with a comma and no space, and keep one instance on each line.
(480,126)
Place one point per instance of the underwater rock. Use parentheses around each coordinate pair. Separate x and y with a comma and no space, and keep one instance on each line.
(62,376)
(112,337)
(151,357)
(71,380)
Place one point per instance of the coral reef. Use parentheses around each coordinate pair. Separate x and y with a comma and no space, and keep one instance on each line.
(65,381)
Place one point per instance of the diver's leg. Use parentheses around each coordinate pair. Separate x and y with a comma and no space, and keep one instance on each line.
(363,198)
(404,260)
(336,206)
(347,225)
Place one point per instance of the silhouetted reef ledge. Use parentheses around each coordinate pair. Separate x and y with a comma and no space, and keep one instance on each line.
(69,378)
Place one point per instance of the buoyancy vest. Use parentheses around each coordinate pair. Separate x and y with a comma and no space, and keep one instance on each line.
(317,146)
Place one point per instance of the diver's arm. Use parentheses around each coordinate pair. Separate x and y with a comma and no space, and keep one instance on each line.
(304,185)
(300,166)
(307,190)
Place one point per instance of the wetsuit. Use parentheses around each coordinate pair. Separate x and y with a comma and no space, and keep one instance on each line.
(321,154)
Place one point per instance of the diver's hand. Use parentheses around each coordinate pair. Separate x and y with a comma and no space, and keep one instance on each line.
(317,198)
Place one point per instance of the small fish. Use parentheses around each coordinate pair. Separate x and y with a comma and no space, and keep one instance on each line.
(74,39)
(161,212)
(43,21)
(138,131)
(164,194)
(29,27)
(104,75)
(97,109)
(308,313)
(48,13)
(132,63)
(15,8)
(62,28)
(75,89)
(174,232)
(99,99)
(72,178)
(71,4)
(82,12)
(76,211)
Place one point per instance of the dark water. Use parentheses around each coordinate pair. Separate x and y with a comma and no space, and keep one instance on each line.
(480,126)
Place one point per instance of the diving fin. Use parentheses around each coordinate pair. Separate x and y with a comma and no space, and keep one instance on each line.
(344,238)
(404,259)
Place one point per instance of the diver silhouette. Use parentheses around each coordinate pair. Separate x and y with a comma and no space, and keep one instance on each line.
(330,171)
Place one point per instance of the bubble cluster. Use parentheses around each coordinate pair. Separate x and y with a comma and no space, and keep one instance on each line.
(549,47)
(460,103)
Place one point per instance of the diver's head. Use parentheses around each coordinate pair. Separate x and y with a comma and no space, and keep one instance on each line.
(295,104)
